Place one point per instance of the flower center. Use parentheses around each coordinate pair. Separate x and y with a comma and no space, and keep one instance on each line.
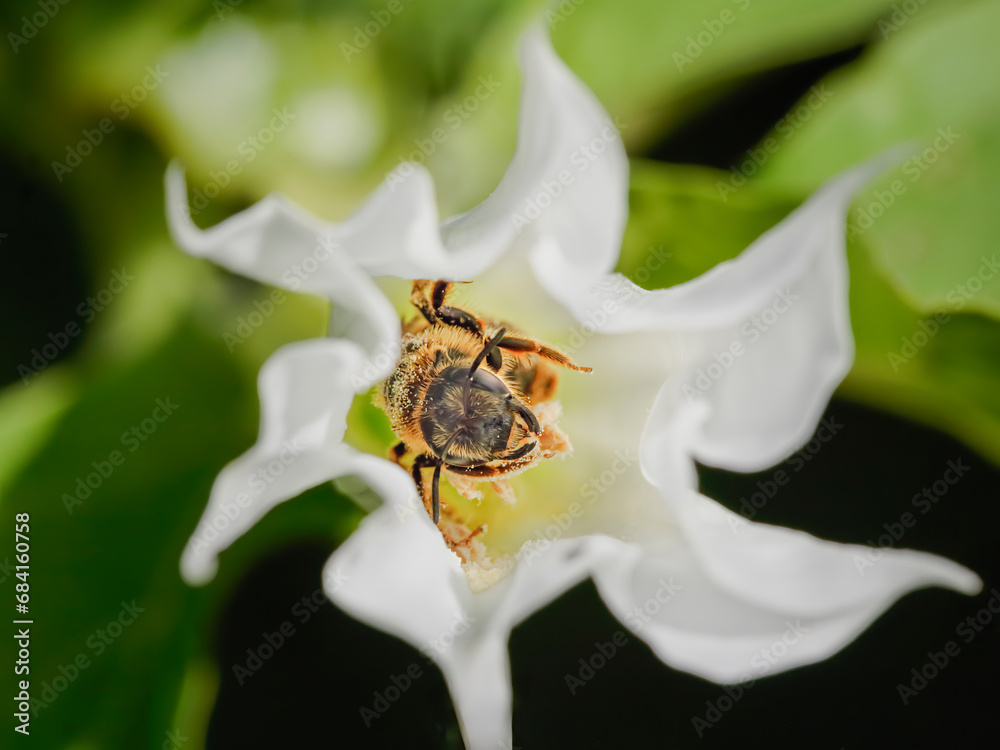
(585,475)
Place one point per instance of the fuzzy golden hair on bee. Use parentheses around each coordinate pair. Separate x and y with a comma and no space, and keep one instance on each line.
(462,396)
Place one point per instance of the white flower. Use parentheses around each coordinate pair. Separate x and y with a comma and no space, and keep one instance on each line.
(709,591)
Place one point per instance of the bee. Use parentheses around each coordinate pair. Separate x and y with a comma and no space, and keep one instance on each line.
(471,397)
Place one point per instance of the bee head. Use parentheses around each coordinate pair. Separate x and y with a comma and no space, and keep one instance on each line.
(469,414)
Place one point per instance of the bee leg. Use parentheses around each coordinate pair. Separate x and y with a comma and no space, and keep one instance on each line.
(459,318)
(544,383)
(421,298)
(418,479)
(429,297)
(490,353)
(397,452)
(439,290)
(521,452)
(527,346)
(420,463)
(526,414)
(494,359)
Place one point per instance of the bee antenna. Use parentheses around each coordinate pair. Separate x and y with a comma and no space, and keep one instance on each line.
(490,346)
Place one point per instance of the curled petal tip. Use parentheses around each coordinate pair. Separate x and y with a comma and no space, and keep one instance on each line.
(198,568)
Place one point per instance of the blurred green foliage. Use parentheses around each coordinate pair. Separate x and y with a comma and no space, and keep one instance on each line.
(225,67)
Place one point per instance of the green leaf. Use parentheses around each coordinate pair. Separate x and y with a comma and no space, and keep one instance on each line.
(652,62)
(930,222)
(674,215)
(940,369)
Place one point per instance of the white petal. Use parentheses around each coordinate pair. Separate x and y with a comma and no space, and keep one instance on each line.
(766,337)
(767,391)
(568,154)
(794,572)
(547,569)
(672,426)
(478,670)
(478,678)
(570,170)
(568,179)
(730,609)
(768,378)
(736,288)
(277,243)
(395,574)
(305,390)
(398,574)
